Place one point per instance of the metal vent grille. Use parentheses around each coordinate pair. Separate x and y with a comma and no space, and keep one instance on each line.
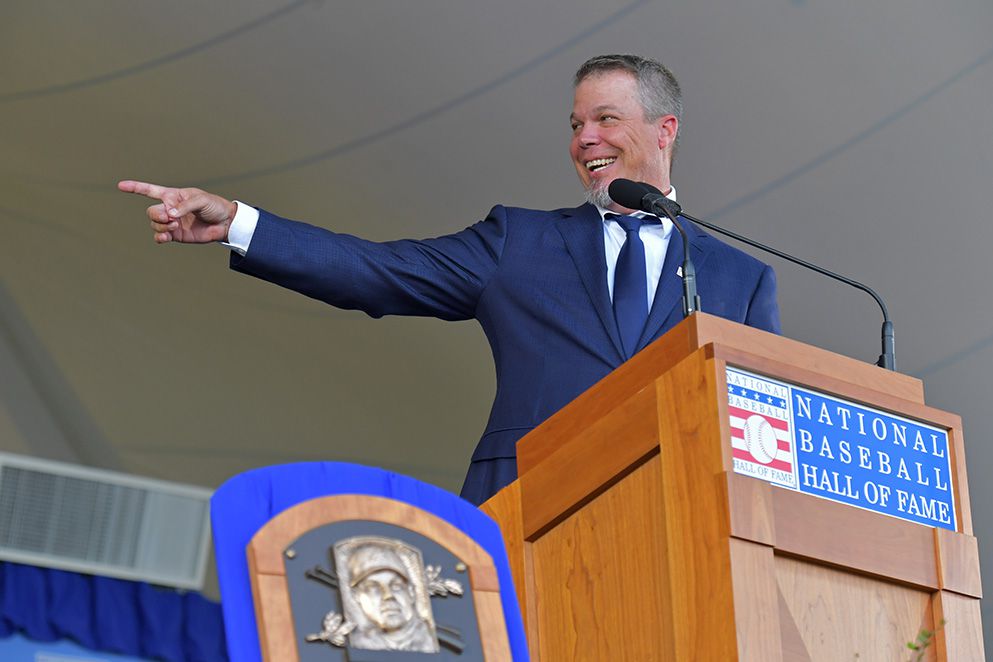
(101,522)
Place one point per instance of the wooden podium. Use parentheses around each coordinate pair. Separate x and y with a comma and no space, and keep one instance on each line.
(632,538)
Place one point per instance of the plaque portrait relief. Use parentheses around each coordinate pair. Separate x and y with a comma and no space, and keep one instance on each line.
(362,578)
(384,591)
(384,595)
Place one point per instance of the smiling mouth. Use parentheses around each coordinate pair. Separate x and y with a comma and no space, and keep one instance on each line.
(599,164)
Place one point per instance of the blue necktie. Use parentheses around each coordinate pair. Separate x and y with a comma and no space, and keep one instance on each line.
(631,284)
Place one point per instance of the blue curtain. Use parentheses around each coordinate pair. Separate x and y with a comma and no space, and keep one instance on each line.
(112,615)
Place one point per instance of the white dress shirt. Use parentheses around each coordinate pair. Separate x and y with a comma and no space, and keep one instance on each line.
(242,228)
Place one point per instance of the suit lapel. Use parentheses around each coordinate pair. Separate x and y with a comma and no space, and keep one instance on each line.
(582,231)
(669,294)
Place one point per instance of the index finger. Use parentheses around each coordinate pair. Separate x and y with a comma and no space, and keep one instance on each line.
(143,188)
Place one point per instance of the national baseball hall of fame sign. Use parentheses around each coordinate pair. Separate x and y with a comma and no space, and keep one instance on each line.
(817,444)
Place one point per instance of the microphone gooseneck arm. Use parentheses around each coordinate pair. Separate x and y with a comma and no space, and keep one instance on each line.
(691,300)
(639,195)
(647,198)
(888,357)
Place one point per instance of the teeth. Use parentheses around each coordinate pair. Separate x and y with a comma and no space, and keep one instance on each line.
(597,164)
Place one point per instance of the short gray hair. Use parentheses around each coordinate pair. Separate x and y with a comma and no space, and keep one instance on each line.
(657,86)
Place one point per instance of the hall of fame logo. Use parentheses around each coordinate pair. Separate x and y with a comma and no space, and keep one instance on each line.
(840,450)
(761,437)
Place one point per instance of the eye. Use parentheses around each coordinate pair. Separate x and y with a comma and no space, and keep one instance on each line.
(576,126)
(370,588)
(608,118)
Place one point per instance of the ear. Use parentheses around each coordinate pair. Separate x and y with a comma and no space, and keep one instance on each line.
(667,126)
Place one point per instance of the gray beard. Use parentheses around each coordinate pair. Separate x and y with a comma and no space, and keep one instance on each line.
(598,196)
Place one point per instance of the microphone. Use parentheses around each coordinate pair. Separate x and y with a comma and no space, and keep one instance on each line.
(647,198)
(641,194)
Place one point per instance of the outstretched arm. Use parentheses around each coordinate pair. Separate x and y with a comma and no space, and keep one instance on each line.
(186,215)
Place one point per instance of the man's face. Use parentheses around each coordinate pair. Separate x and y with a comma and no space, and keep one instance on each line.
(387,599)
(611,138)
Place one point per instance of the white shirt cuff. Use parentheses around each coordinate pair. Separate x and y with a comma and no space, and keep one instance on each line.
(242,228)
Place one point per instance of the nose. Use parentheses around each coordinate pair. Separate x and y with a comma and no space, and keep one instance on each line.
(388,594)
(588,135)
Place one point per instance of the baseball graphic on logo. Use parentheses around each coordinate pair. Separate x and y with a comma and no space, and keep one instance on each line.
(760,439)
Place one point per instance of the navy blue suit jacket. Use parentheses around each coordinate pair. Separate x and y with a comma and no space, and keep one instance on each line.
(535,280)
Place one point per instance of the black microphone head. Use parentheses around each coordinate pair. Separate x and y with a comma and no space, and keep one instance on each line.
(629,194)
(639,195)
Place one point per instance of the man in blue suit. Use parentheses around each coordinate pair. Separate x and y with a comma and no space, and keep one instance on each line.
(540,283)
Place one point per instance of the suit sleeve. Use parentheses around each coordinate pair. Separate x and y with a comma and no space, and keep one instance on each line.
(442,277)
(763,309)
